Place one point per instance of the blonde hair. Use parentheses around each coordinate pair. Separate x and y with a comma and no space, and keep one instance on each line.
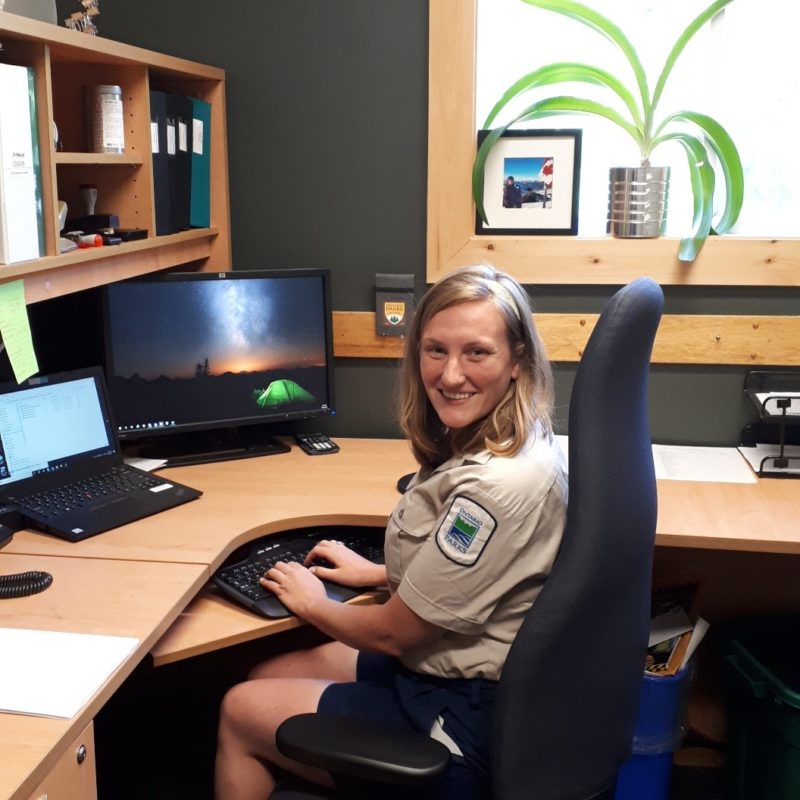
(527,403)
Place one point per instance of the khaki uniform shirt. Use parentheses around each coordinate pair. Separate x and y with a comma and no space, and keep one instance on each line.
(468,549)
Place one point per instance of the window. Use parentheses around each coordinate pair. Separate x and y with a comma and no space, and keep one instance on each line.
(743,69)
(587,259)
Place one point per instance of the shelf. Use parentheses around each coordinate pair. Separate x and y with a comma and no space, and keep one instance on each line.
(72,46)
(55,276)
(568,260)
(107,159)
(64,62)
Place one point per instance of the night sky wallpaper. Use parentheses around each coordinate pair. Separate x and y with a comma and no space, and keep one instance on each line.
(199,350)
(239,325)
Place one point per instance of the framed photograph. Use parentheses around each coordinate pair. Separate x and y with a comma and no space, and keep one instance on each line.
(531,183)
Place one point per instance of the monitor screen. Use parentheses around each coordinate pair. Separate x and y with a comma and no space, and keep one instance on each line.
(201,351)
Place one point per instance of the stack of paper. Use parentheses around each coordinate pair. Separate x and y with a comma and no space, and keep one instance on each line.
(53,674)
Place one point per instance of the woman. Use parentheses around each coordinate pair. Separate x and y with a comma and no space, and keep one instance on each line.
(468,548)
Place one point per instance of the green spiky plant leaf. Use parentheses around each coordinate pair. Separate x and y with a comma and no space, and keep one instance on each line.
(639,119)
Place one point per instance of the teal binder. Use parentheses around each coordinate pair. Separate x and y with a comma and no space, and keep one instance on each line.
(200,204)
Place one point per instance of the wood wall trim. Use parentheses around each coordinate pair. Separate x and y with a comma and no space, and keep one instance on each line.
(561,260)
(681,338)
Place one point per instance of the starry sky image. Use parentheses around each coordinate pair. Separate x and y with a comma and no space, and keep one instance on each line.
(248,324)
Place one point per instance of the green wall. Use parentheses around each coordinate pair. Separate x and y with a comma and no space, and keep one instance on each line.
(327,126)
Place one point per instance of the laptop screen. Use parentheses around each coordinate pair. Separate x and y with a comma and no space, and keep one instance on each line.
(50,423)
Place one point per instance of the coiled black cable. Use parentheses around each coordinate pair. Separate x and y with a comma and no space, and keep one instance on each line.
(24,583)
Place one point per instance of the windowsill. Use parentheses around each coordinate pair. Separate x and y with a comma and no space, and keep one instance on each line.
(723,261)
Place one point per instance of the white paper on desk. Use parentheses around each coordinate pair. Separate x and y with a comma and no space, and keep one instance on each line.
(758,452)
(53,673)
(709,464)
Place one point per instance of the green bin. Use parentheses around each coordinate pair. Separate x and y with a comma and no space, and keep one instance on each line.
(764,713)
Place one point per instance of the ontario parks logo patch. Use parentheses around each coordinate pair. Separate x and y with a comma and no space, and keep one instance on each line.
(464,531)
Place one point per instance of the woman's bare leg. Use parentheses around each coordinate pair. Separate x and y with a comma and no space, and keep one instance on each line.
(251,712)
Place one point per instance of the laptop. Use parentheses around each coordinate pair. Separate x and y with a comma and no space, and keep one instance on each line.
(61,463)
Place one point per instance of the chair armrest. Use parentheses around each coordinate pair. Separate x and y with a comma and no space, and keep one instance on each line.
(361,748)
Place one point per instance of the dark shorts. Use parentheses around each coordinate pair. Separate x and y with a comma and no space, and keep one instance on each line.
(387,692)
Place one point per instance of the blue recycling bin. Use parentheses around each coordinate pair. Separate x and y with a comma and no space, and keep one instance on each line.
(659,730)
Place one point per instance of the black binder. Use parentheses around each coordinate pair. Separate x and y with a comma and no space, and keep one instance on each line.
(159,145)
(179,113)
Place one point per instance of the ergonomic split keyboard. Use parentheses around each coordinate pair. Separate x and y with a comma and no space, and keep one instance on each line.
(238,577)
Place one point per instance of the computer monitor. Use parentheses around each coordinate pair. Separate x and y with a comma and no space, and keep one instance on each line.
(201,366)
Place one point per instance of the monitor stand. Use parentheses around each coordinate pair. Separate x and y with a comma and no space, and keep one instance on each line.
(204,447)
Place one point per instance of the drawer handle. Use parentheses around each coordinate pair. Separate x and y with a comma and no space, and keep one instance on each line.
(81,754)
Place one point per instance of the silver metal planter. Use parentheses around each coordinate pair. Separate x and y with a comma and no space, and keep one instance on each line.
(637,202)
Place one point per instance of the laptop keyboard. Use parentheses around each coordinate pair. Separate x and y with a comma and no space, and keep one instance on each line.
(238,579)
(89,492)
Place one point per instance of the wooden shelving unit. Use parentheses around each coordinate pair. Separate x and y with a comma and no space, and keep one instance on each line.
(64,62)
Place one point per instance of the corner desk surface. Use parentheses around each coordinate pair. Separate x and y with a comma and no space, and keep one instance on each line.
(147,579)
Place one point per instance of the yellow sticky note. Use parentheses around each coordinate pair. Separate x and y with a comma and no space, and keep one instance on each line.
(15,330)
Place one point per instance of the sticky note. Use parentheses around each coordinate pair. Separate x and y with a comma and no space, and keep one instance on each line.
(15,330)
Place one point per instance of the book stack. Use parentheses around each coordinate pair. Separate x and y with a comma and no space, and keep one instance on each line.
(21,220)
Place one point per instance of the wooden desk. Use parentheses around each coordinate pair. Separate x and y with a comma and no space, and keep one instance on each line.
(758,517)
(754,517)
(122,598)
(249,498)
(134,581)
(246,499)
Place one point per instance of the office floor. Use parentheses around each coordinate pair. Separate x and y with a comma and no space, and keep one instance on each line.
(696,783)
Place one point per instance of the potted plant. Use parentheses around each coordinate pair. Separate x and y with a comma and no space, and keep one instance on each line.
(639,120)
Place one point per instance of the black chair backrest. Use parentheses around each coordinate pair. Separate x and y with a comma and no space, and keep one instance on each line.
(569,693)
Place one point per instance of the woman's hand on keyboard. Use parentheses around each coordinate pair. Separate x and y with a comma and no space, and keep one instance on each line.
(344,566)
(295,586)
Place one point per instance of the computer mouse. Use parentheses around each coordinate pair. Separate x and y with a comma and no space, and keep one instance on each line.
(5,534)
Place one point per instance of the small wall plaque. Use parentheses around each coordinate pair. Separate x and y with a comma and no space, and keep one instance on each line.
(394,303)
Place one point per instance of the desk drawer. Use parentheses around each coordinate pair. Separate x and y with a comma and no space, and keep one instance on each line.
(73,777)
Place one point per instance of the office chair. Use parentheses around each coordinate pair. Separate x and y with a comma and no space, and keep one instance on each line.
(569,693)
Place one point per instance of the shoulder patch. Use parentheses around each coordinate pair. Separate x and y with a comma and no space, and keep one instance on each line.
(465,530)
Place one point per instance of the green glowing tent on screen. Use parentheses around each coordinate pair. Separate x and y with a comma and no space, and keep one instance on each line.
(282,392)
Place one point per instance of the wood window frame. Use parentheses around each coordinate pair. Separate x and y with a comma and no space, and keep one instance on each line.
(451,239)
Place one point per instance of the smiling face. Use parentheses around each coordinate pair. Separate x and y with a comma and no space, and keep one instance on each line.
(465,362)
